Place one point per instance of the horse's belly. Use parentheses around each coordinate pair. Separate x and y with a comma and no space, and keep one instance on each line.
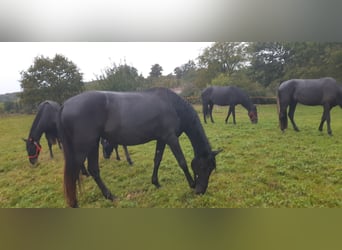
(308,98)
(131,138)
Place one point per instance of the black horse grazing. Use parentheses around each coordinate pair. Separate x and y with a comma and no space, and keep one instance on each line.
(131,118)
(107,150)
(227,96)
(44,122)
(324,91)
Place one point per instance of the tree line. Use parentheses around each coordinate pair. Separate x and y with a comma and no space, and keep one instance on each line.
(257,67)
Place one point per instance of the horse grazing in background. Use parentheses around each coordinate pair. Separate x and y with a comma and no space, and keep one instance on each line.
(131,118)
(44,122)
(323,91)
(227,96)
(107,150)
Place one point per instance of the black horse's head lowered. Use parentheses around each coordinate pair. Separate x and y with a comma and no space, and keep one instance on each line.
(33,149)
(131,118)
(253,114)
(44,122)
(202,168)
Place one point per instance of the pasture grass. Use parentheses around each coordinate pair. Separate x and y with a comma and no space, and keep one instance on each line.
(259,167)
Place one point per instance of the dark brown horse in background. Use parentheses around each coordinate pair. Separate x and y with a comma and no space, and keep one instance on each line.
(44,122)
(131,118)
(323,91)
(227,96)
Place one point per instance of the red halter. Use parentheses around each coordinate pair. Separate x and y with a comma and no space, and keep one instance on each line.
(38,149)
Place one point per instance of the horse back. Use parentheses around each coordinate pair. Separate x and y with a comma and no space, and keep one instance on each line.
(310,91)
(128,118)
(227,95)
(138,117)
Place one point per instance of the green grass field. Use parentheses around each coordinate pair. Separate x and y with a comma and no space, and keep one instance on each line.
(259,167)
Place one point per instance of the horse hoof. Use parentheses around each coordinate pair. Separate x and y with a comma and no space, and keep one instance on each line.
(111,197)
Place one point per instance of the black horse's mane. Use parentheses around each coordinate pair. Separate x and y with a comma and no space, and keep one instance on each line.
(41,108)
(191,124)
(37,118)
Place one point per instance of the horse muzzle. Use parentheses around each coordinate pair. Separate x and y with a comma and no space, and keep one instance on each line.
(200,189)
(33,161)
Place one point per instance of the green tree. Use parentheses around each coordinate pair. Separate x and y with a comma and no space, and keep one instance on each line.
(314,60)
(224,57)
(156,70)
(186,70)
(121,78)
(333,61)
(267,61)
(54,79)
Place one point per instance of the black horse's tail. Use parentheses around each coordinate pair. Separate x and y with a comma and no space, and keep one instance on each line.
(71,170)
(281,114)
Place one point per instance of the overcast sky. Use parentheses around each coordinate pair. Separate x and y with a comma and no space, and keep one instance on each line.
(92,58)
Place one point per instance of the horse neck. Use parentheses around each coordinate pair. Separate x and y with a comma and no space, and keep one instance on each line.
(191,125)
(198,138)
(37,128)
(247,103)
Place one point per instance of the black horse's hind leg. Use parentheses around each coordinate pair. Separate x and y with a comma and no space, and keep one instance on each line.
(117,153)
(292,108)
(211,106)
(229,112)
(325,117)
(93,168)
(178,153)
(128,158)
(282,109)
(157,159)
(48,139)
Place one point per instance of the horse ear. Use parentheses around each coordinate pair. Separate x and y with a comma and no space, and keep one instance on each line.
(216,152)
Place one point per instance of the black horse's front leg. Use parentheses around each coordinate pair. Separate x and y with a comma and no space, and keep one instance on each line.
(50,149)
(233,113)
(128,158)
(178,153)
(117,153)
(229,112)
(84,171)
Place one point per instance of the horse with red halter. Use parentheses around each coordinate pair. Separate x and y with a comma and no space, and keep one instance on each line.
(44,122)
